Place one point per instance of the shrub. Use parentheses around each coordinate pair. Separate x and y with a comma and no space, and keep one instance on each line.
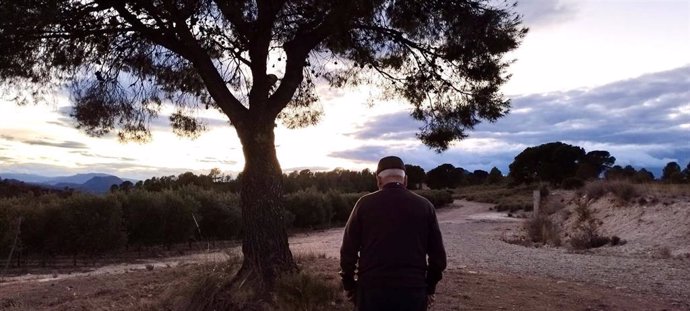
(303,291)
(438,198)
(219,214)
(571,183)
(540,229)
(623,190)
(310,207)
(342,204)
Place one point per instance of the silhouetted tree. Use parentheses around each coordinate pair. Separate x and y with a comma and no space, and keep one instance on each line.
(643,176)
(686,173)
(258,62)
(444,176)
(551,162)
(415,176)
(672,173)
(594,163)
(495,176)
(477,177)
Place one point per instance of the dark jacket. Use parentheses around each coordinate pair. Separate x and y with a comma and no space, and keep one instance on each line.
(387,239)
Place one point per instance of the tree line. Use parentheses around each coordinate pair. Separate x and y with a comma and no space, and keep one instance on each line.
(556,163)
(83,225)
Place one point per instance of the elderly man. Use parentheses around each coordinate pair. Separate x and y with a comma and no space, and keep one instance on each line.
(386,242)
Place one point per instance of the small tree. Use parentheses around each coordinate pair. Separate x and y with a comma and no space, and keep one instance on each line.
(672,173)
(495,176)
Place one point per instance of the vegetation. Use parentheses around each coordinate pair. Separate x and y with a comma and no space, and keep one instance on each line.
(556,161)
(506,198)
(84,225)
(123,60)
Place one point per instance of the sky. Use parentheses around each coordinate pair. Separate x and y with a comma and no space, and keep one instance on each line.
(603,75)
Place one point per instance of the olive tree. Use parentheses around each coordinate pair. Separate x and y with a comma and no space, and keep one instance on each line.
(258,62)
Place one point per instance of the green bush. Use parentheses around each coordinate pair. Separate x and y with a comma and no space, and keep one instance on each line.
(438,198)
(310,208)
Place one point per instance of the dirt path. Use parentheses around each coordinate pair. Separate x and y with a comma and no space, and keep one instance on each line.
(476,254)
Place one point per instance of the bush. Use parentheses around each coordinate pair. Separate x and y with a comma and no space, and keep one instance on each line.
(310,208)
(572,183)
(303,291)
(438,198)
(623,190)
(342,204)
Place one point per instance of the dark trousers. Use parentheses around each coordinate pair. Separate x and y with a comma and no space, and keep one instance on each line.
(391,299)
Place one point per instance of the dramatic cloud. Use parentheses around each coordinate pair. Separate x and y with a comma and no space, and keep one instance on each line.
(643,121)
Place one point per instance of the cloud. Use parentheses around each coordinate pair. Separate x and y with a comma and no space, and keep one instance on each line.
(537,13)
(217,160)
(301,168)
(64,144)
(394,126)
(100,156)
(643,121)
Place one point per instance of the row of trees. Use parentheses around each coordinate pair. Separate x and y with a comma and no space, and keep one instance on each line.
(558,162)
(80,224)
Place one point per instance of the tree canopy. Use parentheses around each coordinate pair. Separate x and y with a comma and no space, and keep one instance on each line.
(551,162)
(123,59)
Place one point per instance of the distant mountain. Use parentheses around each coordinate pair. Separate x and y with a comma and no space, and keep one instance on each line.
(28,178)
(90,182)
(75,179)
(12,187)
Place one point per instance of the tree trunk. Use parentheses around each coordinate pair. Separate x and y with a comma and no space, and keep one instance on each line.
(264,242)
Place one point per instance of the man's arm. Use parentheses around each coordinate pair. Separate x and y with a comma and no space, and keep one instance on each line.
(349,250)
(437,254)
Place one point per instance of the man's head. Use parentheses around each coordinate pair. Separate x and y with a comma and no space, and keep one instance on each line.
(390,169)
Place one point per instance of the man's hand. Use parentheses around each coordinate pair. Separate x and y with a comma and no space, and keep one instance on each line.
(430,300)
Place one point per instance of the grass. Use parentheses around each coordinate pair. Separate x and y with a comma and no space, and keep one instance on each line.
(303,290)
(625,191)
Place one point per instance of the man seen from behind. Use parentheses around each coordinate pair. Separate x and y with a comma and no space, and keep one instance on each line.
(390,233)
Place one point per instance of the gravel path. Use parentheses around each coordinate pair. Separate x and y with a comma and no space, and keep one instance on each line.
(472,236)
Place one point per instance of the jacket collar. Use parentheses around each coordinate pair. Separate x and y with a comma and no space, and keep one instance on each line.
(392,185)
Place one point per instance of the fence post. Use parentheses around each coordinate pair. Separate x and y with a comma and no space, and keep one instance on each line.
(16,238)
(536,196)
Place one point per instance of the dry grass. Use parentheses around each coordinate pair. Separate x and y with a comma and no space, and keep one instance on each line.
(625,191)
(666,190)
(509,199)
(298,291)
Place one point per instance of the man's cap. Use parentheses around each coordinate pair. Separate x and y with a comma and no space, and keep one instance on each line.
(389,163)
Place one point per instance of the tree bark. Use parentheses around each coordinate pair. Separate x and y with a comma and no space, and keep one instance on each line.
(264,242)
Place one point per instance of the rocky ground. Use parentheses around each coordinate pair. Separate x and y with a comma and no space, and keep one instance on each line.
(485,273)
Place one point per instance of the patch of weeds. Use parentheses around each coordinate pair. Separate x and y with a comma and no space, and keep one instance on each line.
(304,291)
(586,233)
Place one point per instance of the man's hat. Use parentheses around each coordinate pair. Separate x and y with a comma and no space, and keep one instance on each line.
(389,163)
